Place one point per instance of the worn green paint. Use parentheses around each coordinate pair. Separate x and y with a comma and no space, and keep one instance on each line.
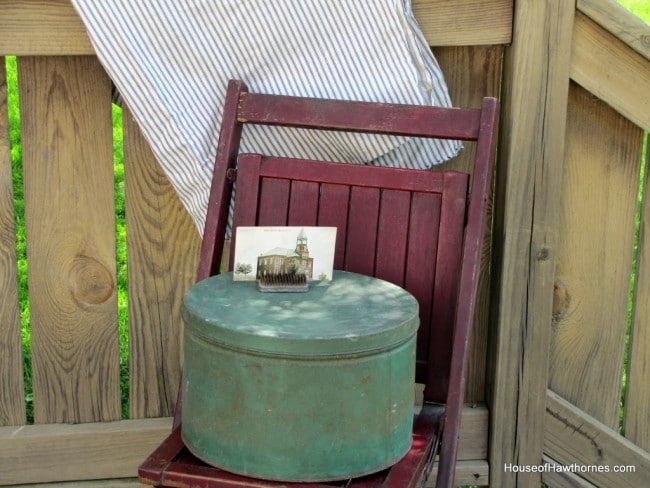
(299,386)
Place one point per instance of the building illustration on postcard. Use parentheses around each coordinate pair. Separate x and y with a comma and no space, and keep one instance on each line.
(263,251)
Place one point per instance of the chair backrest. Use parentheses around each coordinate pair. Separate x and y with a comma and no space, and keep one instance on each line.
(422,230)
(403,226)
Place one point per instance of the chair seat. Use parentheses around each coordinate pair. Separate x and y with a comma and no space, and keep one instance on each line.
(172,464)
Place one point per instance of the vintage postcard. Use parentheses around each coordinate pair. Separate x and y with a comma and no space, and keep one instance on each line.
(270,251)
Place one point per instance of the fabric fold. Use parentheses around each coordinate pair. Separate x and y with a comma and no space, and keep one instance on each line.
(171,61)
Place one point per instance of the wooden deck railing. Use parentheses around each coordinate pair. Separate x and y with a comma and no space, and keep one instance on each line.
(551,333)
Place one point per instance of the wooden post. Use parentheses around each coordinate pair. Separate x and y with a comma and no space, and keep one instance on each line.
(536,80)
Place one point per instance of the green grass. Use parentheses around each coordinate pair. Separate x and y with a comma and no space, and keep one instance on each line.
(640,8)
(120,252)
(19,217)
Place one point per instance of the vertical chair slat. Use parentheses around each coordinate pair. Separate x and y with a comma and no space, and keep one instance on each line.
(392,231)
(303,206)
(274,206)
(362,230)
(333,212)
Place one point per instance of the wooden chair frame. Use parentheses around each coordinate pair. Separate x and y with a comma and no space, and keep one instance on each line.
(437,426)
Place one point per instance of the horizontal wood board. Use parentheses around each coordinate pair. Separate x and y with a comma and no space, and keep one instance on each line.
(574,437)
(104,450)
(624,84)
(620,22)
(562,478)
(473,473)
(465,22)
(53,28)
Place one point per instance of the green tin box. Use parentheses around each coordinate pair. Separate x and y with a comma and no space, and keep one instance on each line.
(310,386)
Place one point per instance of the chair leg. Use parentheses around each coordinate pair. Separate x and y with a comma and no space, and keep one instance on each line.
(152,470)
(413,470)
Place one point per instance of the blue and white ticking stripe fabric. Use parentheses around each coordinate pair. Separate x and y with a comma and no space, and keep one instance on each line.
(171,61)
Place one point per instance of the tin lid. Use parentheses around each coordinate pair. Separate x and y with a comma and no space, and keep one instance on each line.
(352,314)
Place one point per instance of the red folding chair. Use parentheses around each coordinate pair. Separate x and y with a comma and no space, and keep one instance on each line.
(422,230)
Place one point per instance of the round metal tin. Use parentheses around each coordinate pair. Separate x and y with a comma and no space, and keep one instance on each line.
(307,386)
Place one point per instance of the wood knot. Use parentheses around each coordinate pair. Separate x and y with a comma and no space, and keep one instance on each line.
(561,300)
(90,281)
(645,40)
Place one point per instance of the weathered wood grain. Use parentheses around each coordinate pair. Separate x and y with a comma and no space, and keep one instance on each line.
(52,27)
(563,479)
(637,402)
(51,453)
(573,437)
(529,172)
(12,397)
(70,217)
(594,255)
(163,249)
(612,71)
(474,473)
(472,73)
(114,483)
(61,452)
(41,28)
(465,22)
(620,22)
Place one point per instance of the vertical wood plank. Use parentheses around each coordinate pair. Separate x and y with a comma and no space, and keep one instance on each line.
(529,172)
(594,255)
(637,402)
(472,73)
(12,395)
(70,217)
(163,248)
